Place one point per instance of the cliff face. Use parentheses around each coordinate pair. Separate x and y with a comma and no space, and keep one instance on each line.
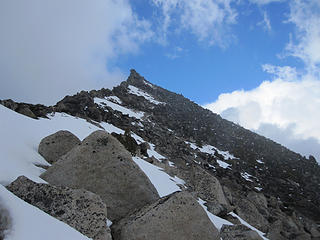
(275,183)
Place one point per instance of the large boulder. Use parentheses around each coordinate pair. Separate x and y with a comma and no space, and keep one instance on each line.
(81,209)
(56,145)
(238,232)
(248,212)
(177,217)
(102,165)
(209,189)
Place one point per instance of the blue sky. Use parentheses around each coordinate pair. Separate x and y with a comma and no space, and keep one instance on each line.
(254,62)
(185,64)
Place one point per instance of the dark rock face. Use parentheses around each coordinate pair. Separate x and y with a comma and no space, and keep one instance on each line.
(103,166)
(56,145)
(81,104)
(29,110)
(178,217)
(81,209)
(128,142)
(238,232)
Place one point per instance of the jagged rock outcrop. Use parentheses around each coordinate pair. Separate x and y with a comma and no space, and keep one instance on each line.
(238,232)
(56,145)
(103,166)
(81,209)
(175,217)
(81,104)
(29,110)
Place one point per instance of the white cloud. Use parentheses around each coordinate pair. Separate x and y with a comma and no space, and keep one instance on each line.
(306,17)
(286,106)
(264,2)
(208,20)
(53,48)
(286,72)
(265,23)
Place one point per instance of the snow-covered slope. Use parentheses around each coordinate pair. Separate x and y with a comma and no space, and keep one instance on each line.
(20,137)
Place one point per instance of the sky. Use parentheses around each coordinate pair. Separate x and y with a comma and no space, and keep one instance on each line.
(254,62)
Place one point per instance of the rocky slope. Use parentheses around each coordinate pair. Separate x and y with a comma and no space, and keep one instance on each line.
(234,170)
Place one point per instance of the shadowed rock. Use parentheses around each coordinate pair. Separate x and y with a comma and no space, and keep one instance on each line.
(81,209)
(238,232)
(56,145)
(175,217)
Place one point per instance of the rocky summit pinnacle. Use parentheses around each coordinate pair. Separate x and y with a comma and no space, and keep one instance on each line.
(240,175)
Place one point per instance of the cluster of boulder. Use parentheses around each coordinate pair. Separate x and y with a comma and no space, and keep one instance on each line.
(96,181)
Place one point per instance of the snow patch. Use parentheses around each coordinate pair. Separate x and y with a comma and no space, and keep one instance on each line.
(126,111)
(153,153)
(216,221)
(211,150)
(114,99)
(111,128)
(109,222)
(223,164)
(163,183)
(139,92)
(148,84)
(247,176)
(171,164)
(249,226)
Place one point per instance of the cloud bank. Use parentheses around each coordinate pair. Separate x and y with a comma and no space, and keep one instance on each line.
(53,48)
(207,20)
(286,108)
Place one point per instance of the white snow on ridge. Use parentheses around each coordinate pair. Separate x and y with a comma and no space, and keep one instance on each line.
(216,221)
(259,161)
(246,176)
(148,84)
(223,164)
(211,150)
(152,153)
(29,222)
(249,226)
(114,99)
(111,128)
(139,92)
(163,183)
(104,102)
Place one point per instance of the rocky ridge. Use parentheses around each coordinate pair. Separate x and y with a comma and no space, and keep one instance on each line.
(232,169)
